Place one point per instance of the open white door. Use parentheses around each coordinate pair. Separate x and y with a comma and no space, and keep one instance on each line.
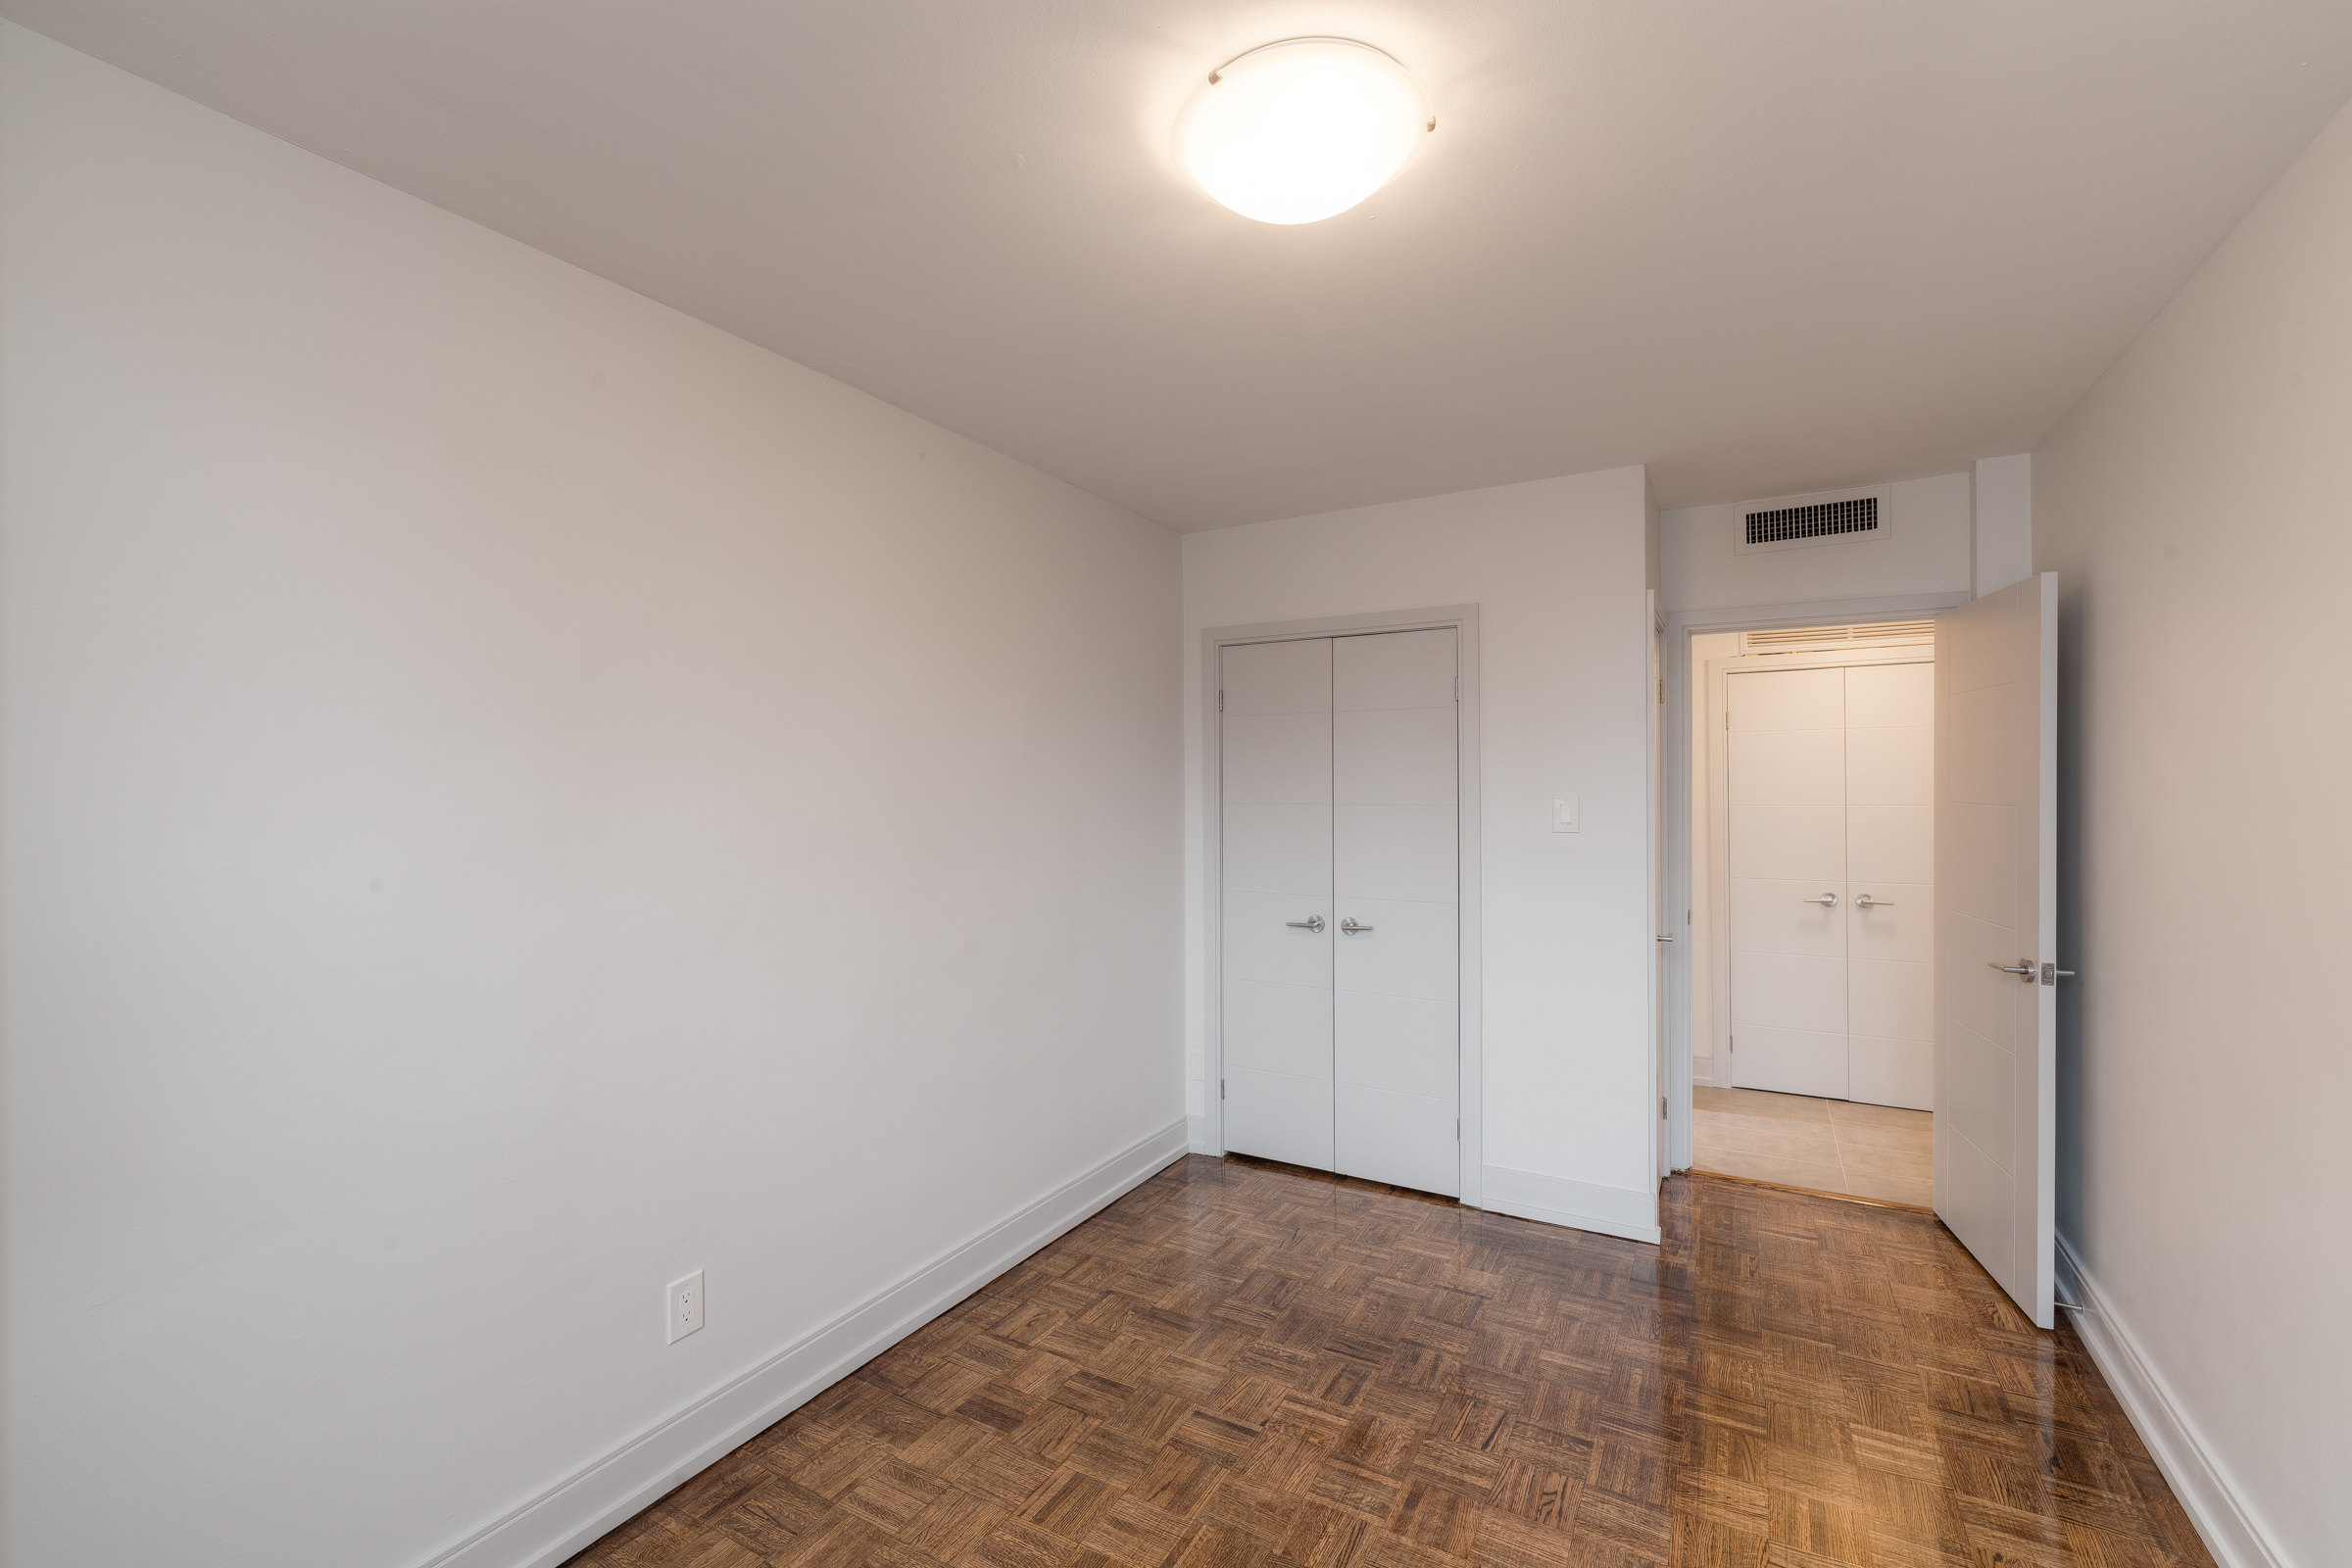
(1997,924)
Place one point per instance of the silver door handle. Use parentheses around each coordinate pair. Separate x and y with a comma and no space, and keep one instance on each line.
(1313,922)
(1866,901)
(2051,974)
(1665,939)
(2023,968)
(1828,901)
(1351,928)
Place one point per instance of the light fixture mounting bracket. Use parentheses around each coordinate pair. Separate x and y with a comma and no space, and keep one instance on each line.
(1218,74)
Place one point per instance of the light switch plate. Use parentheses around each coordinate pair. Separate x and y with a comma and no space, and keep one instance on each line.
(1563,813)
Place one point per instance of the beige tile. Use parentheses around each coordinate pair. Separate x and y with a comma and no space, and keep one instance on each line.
(1854,1112)
(1769,1168)
(1891,1139)
(1813,1142)
(1757,1102)
(1893,1188)
(1916,1167)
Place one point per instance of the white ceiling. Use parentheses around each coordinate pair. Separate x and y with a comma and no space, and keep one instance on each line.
(1760,245)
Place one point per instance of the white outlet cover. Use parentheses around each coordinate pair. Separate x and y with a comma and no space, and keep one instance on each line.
(685,1306)
(1563,813)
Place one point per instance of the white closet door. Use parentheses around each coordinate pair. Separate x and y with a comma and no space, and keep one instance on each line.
(1891,869)
(1276,764)
(1787,809)
(1396,875)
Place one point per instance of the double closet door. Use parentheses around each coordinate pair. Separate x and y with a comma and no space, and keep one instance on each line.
(1831,828)
(1340,860)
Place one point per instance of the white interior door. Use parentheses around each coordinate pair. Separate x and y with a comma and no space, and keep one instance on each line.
(1996,908)
(1396,1064)
(1890,870)
(1787,807)
(1275,764)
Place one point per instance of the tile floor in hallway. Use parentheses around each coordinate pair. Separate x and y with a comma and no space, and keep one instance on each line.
(1249,1365)
(1830,1146)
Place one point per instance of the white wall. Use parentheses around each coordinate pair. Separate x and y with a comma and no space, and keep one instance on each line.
(2196,507)
(2003,540)
(1923,550)
(1557,569)
(511,795)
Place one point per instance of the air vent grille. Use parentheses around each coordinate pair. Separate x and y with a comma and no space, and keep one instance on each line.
(1784,639)
(1815,521)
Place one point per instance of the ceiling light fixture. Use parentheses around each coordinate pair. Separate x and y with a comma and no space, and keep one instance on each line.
(1301,130)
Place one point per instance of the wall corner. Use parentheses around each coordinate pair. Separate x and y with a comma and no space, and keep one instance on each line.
(2000,522)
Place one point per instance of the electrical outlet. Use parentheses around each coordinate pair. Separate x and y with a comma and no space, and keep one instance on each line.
(685,1305)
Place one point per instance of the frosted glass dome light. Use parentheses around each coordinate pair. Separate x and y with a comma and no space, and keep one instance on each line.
(1302,130)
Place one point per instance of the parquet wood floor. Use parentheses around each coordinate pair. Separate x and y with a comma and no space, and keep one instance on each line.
(1240,1365)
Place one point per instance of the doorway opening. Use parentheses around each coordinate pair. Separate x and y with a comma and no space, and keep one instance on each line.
(1812,1011)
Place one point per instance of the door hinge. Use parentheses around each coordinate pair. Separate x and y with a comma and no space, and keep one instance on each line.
(1730,1042)
(1457,688)
(1662,691)
(1727,718)
(1220,1089)
(1458,1129)
(1220,700)
(1661,1107)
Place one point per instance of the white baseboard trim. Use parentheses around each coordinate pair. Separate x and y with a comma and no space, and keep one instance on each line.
(1626,1211)
(1702,1072)
(574,1512)
(1196,1134)
(2229,1529)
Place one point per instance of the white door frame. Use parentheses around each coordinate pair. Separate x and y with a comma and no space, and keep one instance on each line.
(1661,1145)
(1213,641)
(1719,801)
(1681,625)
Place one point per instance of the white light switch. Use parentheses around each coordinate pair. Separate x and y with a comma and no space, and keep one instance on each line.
(1563,813)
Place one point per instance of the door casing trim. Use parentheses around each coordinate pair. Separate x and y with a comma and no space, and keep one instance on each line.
(1470,1153)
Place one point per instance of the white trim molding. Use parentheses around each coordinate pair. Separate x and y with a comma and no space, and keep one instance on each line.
(569,1515)
(1626,1211)
(2230,1532)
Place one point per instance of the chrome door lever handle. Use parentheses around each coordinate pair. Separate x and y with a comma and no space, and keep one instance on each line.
(1828,901)
(1349,927)
(1665,939)
(1866,901)
(2021,967)
(1311,923)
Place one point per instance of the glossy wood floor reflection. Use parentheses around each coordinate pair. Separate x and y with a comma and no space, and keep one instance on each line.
(1240,1364)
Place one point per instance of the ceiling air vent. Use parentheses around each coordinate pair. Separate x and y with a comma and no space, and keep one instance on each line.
(1800,522)
(1789,639)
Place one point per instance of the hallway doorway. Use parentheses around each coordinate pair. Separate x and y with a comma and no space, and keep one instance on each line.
(1813,787)
(1812,921)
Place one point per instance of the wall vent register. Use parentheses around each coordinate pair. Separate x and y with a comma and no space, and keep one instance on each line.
(1859,515)
(1782,639)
